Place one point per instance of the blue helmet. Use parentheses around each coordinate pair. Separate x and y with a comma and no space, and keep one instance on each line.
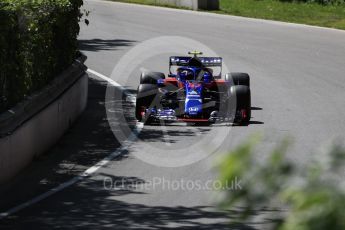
(185,74)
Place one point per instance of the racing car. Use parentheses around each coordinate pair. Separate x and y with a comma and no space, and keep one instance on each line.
(194,92)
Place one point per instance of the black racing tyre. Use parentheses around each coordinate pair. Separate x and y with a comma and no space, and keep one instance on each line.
(146,95)
(240,99)
(238,78)
(151,77)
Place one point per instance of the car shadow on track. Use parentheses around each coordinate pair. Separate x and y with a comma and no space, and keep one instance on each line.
(155,134)
(252,122)
(256,108)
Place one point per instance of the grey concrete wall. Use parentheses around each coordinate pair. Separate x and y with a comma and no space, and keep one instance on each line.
(193,4)
(40,132)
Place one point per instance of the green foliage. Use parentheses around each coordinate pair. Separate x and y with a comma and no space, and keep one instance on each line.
(329,15)
(313,195)
(38,39)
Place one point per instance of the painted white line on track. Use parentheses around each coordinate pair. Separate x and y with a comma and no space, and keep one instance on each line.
(111,81)
(129,96)
(87,172)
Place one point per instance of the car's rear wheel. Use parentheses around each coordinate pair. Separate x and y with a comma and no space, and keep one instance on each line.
(146,98)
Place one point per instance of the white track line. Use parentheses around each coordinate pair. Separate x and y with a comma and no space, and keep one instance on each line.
(87,172)
(111,81)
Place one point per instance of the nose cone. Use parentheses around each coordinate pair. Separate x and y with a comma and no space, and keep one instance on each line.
(193,104)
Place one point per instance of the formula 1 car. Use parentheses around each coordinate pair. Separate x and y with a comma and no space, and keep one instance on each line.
(193,93)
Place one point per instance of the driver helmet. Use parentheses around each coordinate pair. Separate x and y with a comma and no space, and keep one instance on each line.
(185,75)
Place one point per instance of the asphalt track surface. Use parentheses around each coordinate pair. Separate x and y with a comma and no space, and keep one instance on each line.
(298,87)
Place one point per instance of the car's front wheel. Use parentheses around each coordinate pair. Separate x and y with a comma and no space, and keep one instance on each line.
(240,103)
(238,78)
(151,77)
(146,98)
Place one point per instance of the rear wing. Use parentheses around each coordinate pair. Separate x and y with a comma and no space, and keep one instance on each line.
(206,61)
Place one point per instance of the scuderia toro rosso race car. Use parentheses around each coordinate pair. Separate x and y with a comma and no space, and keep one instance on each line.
(194,93)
